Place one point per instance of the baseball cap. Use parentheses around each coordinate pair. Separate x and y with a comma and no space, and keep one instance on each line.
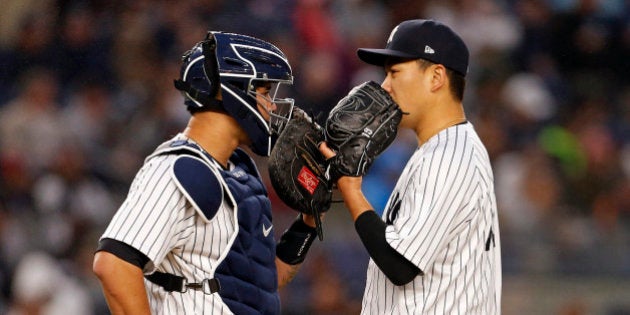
(426,39)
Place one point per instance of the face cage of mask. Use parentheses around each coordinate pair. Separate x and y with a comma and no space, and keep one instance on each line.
(281,114)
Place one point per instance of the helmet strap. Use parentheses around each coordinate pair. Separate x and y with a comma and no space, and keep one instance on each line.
(209,46)
(208,100)
(201,97)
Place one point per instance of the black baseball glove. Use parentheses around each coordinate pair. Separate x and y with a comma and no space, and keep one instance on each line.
(359,128)
(296,167)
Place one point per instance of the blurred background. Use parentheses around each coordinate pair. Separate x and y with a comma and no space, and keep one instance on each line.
(86,93)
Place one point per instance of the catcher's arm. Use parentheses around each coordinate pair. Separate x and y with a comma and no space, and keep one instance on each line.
(286,272)
(371,229)
(123,284)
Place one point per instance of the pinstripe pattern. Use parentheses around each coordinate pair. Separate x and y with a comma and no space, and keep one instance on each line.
(157,220)
(446,216)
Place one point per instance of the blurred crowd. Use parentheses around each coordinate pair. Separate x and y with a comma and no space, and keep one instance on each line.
(86,93)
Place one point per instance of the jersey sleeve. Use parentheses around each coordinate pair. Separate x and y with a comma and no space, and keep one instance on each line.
(432,201)
(154,215)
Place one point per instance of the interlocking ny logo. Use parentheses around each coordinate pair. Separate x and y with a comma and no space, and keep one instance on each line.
(391,35)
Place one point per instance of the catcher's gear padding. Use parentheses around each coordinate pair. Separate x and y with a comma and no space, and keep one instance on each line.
(296,167)
(195,178)
(359,128)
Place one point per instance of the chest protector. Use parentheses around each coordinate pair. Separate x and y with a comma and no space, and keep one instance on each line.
(247,275)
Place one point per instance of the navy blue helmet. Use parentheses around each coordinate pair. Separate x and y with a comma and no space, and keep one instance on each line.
(240,63)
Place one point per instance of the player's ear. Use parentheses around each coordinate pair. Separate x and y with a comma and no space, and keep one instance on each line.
(438,76)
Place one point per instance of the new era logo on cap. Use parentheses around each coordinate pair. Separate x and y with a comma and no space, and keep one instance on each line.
(425,39)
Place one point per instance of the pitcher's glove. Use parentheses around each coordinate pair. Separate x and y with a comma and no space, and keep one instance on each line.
(359,128)
(296,167)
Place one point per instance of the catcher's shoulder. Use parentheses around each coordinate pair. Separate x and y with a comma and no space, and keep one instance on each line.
(199,183)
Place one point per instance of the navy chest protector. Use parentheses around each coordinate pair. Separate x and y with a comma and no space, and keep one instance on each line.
(248,275)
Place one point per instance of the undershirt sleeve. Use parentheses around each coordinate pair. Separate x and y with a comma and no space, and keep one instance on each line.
(123,251)
(398,269)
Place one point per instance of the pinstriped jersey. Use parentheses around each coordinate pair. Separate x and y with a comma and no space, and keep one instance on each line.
(157,219)
(442,216)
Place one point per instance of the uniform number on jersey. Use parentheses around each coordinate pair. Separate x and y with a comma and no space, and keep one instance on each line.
(489,240)
(392,211)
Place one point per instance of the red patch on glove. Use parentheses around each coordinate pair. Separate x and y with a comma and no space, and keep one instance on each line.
(307,179)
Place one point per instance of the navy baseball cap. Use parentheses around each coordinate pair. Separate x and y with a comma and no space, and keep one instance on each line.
(426,39)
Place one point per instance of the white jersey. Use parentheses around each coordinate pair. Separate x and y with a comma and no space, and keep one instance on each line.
(442,216)
(157,220)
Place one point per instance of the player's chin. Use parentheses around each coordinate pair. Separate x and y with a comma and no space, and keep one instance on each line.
(406,122)
(245,141)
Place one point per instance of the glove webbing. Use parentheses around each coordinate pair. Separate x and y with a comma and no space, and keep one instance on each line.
(315,212)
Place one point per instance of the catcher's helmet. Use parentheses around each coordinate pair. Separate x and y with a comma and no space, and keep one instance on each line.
(239,63)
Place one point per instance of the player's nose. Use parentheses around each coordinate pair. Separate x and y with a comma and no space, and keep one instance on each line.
(272,106)
(386,85)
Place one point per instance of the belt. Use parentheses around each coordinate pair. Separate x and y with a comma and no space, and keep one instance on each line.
(173,283)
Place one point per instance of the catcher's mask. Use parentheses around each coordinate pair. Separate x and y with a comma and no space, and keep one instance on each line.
(241,64)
